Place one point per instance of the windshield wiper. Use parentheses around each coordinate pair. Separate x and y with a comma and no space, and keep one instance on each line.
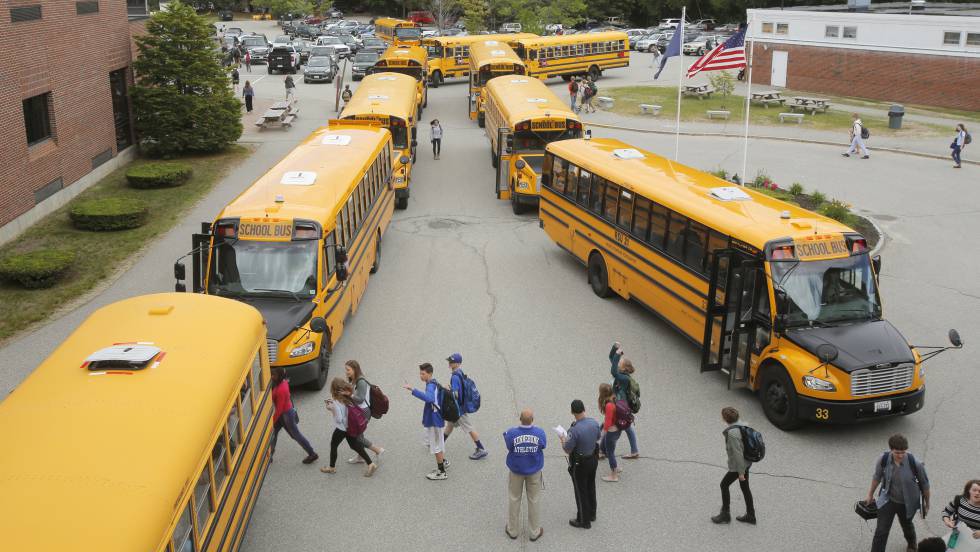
(286,291)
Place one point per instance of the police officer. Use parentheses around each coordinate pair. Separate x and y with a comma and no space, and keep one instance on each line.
(581,445)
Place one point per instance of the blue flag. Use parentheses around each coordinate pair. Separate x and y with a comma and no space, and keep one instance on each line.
(673,49)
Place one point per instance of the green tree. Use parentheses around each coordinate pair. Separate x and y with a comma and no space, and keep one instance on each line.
(182,99)
(475,13)
(280,7)
(723,82)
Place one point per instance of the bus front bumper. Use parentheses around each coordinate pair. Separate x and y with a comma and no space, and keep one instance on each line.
(526,199)
(846,412)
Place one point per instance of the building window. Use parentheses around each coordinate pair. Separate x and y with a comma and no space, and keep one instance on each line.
(951,38)
(25,13)
(850,32)
(973,39)
(82,8)
(782,28)
(832,31)
(37,118)
(767,28)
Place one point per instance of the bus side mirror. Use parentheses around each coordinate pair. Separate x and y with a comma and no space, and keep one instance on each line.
(342,272)
(179,287)
(779,321)
(954,338)
(415,134)
(510,143)
(180,272)
(340,255)
(827,353)
(876,262)
(318,325)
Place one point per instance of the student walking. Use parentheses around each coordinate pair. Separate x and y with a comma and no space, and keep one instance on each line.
(234,79)
(285,416)
(432,419)
(456,384)
(346,95)
(610,431)
(904,488)
(248,93)
(573,92)
(858,135)
(290,87)
(346,425)
(738,468)
(589,90)
(581,445)
(622,370)
(236,55)
(962,139)
(525,459)
(435,133)
(361,399)
(962,515)
(248,60)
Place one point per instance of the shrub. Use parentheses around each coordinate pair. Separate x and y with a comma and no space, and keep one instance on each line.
(818,198)
(109,214)
(796,189)
(837,210)
(761,179)
(158,175)
(720,173)
(36,269)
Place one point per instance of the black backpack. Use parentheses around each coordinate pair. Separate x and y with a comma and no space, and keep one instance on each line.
(447,404)
(753,447)
(865,133)
(912,464)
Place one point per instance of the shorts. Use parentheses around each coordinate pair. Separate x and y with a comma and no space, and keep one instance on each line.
(436,439)
(463,423)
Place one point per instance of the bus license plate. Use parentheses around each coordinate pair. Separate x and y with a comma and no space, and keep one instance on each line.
(883,406)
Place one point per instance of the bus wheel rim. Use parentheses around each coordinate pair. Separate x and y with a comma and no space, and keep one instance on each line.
(777,398)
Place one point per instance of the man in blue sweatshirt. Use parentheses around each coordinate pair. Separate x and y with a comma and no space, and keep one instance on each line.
(432,419)
(525,458)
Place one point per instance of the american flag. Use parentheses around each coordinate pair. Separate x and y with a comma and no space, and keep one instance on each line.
(730,54)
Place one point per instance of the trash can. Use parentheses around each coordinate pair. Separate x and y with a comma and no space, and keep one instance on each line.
(895,114)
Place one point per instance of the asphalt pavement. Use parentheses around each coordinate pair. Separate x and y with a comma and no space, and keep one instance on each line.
(461,273)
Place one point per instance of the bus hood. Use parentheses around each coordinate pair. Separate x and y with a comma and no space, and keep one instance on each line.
(860,345)
(281,314)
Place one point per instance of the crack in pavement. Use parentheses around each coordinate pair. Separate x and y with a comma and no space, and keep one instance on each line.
(931,284)
(935,421)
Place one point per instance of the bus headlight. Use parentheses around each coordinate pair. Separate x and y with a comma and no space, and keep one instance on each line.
(302,350)
(922,371)
(818,384)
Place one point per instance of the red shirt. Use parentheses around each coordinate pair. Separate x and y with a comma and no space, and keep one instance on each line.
(281,400)
(610,420)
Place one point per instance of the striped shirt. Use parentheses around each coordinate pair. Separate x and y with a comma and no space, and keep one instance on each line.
(962,510)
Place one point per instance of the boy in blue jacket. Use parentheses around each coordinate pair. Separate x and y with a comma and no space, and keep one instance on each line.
(432,419)
(525,459)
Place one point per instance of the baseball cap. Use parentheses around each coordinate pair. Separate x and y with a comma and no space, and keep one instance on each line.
(455,357)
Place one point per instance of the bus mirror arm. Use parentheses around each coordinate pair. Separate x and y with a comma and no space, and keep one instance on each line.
(827,353)
(932,350)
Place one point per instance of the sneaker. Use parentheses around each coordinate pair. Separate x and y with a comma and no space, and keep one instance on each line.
(538,536)
(370,470)
(436,475)
(723,517)
(328,469)
(631,456)
(311,458)
(445,463)
(747,518)
(846,154)
(356,459)
(478,454)
(512,537)
(866,157)
(610,478)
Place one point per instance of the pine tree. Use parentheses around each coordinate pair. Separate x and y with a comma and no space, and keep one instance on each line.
(182,99)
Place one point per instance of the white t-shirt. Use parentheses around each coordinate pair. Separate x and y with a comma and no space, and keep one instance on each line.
(856,129)
(961,138)
(340,415)
(436,131)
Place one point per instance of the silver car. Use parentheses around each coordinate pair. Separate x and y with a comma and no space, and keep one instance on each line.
(647,43)
(320,69)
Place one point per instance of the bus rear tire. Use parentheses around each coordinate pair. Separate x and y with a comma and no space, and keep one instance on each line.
(321,378)
(778,398)
(494,161)
(377,254)
(598,275)
(515,205)
(436,79)
(401,203)
(594,73)
(481,120)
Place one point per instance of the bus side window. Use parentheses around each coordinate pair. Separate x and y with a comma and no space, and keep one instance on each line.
(675,235)
(533,55)
(234,430)
(246,399)
(219,462)
(202,501)
(257,372)
(352,220)
(583,193)
(625,209)
(641,218)
(598,189)
(697,236)
(716,241)
(658,224)
(571,177)
(183,540)
(611,197)
(584,179)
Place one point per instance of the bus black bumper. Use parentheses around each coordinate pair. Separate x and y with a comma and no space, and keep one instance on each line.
(526,199)
(816,410)
(401,193)
(298,374)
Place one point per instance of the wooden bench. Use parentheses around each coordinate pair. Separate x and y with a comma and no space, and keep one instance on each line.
(650,109)
(721,114)
(798,117)
(605,102)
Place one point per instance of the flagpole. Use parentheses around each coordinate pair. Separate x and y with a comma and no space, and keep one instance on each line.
(680,84)
(748,102)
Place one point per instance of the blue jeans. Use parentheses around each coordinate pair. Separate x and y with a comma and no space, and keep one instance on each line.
(956,153)
(631,435)
(289,421)
(609,446)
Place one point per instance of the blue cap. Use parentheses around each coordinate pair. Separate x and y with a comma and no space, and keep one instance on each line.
(455,357)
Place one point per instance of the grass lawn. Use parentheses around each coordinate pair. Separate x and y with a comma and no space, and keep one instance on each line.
(98,255)
(628,100)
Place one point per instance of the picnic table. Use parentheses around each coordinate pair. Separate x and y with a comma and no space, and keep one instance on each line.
(767,97)
(812,105)
(279,114)
(699,90)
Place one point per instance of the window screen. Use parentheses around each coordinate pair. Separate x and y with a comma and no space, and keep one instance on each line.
(625,209)
(610,202)
(658,224)
(675,235)
(641,218)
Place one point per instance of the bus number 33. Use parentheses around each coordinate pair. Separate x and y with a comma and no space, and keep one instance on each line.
(822,414)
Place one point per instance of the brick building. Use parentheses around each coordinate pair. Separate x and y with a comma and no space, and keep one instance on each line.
(64,104)
(927,56)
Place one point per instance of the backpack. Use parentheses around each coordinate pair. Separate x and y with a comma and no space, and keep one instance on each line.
(377,401)
(633,395)
(865,133)
(470,396)
(623,418)
(447,404)
(967,139)
(356,421)
(591,90)
(912,464)
(753,447)
(573,87)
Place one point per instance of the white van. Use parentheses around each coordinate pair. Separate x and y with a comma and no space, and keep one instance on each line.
(669,23)
(510,28)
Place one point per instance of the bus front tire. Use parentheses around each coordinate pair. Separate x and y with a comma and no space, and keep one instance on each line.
(436,79)
(481,120)
(598,276)
(377,254)
(494,161)
(321,377)
(515,205)
(778,398)
(401,203)
(594,73)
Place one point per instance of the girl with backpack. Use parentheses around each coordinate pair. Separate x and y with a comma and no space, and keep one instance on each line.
(610,431)
(349,423)
(962,139)
(362,399)
(622,370)
(588,94)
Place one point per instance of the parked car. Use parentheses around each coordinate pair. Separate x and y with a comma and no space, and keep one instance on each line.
(333,13)
(336,43)
(282,39)
(321,51)
(305,30)
(512,27)
(320,69)
(700,45)
(362,62)
(727,28)
(351,41)
(421,17)
(373,44)
(648,43)
(258,46)
(284,58)
(303,47)
(705,24)
(347,25)
(226,15)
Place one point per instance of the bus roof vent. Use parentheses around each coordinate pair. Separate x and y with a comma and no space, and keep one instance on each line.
(729,193)
(130,356)
(336,140)
(380,97)
(298,178)
(496,52)
(518,81)
(536,100)
(386,78)
(490,42)
(627,153)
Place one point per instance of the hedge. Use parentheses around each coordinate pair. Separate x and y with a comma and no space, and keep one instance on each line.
(158,175)
(36,269)
(109,214)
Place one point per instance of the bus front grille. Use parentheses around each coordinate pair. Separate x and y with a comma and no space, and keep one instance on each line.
(881,380)
(273,350)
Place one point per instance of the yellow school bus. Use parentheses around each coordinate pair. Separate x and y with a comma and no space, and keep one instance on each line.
(566,56)
(522,116)
(449,56)
(407,60)
(489,59)
(299,243)
(398,32)
(148,428)
(389,99)
(781,299)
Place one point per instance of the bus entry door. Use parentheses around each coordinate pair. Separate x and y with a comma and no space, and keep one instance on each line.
(504,147)
(200,253)
(730,321)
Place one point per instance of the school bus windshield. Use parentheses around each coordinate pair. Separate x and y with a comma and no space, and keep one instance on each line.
(414,72)
(537,140)
(408,33)
(828,291)
(242,267)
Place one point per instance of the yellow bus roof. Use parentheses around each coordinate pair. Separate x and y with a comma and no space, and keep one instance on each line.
(509,38)
(393,22)
(336,157)
(492,51)
(416,54)
(754,220)
(521,98)
(98,462)
(391,94)
(558,40)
